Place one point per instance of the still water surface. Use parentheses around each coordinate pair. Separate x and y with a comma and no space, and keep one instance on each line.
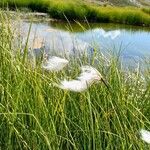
(129,41)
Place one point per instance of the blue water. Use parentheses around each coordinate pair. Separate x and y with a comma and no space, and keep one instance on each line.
(130,42)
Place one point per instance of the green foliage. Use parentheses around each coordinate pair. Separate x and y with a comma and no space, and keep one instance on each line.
(35,114)
(78,10)
(146,10)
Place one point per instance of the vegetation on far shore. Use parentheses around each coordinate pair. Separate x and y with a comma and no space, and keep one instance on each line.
(35,114)
(78,10)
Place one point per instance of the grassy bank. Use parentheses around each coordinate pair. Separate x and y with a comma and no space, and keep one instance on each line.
(146,10)
(79,10)
(35,114)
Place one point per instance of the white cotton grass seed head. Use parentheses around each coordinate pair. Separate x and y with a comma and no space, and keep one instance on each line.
(88,76)
(55,64)
(89,73)
(145,135)
(74,85)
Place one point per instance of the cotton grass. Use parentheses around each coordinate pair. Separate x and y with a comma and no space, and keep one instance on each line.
(55,64)
(36,115)
(145,135)
(88,76)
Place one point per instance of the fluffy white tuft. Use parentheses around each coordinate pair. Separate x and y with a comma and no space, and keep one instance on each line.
(88,76)
(55,64)
(74,85)
(145,135)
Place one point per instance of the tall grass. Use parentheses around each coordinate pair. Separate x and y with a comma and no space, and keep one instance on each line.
(34,114)
(78,10)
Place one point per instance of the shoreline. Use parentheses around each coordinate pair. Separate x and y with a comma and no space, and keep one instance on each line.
(83,11)
(44,17)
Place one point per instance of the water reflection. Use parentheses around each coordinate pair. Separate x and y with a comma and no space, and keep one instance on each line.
(131,42)
(107,34)
(55,41)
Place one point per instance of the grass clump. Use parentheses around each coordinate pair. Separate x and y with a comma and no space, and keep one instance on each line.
(78,10)
(35,114)
(119,15)
(146,10)
(70,9)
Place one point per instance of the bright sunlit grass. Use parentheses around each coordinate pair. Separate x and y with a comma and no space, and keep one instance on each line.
(79,10)
(34,114)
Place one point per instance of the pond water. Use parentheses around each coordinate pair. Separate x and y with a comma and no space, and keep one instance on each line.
(129,41)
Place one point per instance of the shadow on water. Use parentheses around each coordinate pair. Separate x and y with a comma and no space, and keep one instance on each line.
(81,27)
(76,26)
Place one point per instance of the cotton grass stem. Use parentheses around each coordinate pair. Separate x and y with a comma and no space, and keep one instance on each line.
(92,141)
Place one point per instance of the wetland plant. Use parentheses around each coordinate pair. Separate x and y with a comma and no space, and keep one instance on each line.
(145,135)
(88,76)
(55,63)
(34,114)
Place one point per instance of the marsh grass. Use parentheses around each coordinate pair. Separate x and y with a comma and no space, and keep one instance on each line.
(34,114)
(78,10)
(146,10)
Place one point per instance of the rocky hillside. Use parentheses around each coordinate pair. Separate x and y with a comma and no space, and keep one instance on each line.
(121,2)
(141,2)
